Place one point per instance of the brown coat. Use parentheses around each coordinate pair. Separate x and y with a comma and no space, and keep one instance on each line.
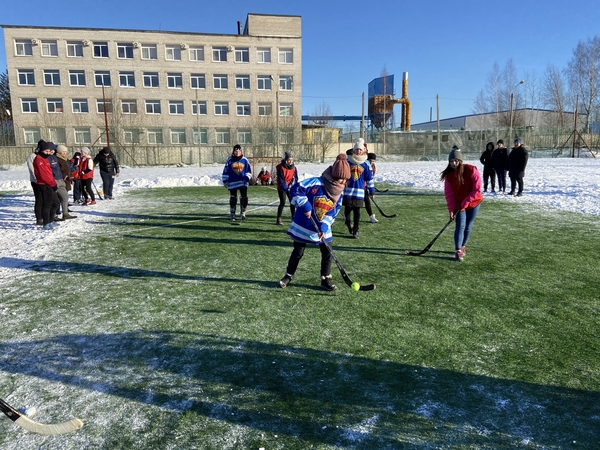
(65,170)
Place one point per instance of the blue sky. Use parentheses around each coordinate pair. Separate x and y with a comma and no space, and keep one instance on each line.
(448,48)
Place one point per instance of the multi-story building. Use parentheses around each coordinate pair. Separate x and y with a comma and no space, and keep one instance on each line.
(157,87)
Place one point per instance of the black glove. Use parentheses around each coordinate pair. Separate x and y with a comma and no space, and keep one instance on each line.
(55,188)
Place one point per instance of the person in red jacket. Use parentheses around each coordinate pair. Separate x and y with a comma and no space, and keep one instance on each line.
(462,189)
(86,175)
(287,176)
(46,184)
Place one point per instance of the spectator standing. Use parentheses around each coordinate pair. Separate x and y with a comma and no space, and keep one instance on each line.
(371,157)
(354,194)
(500,162)
(488,167)
(319,198)
(37,208)
(61,190)
(65,171)
(74,167)
(237,175)
(47,185)
(517,162)
(287,176)
(462,189)
(86,175)
(107,163)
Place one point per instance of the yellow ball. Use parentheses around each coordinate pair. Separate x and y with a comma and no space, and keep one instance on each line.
(355,286)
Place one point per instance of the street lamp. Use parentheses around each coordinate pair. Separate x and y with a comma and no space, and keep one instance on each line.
(511,107)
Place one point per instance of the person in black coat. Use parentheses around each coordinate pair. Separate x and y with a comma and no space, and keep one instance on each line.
(500,162)
(517,161)
(109,169)
(488,167)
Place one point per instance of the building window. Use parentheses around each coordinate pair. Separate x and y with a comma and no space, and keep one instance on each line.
(221,108)
(286,109)
(101,104)
(51,77)
(265,109)
(75,49)
(131,135)
(219,54)
(265,137)
(77,77)
(82,136)
(149,51)
(220,81)
(126,79)
(102,77)
(199,106)
(31,135)
(242,54)
(129,106)
(151,79)
(242,82)
(57,135)
(222,136)
(152,106)
(198,81)
(286,83)
(176,107)
(26,77)
(263,55)
(29,105)
(173,53)
(286,136)
(155,136)
(49,48)
(124,51)
(286,56)
(177,136)
(244,136)
(242,108)
(264,82)
(100,49)
(80,105)
(197,53)
(23,47)
(174,80)
(203,134)
(54,105)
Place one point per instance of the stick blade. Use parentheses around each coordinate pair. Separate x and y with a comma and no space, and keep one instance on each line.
(368,287)
(409,253)
(40,428)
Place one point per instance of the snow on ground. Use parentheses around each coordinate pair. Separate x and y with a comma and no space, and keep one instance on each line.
(565,184)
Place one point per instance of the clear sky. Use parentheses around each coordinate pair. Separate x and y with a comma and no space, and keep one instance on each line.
(447,47)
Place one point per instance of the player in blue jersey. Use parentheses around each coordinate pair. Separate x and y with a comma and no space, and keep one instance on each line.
(237,175)
(361,181)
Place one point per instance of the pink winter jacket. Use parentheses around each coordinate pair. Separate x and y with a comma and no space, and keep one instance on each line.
(460,197)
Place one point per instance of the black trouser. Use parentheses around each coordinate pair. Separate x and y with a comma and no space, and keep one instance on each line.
(76,189)
(514,181)
(283,195)
(298,253)
(108,180)
(368,202)
(86,189)
(356,211)
(49,203)
(501,174)
(489,173)
(243,199)
(37,207)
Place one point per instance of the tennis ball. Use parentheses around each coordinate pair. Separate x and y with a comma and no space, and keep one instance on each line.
(355,286)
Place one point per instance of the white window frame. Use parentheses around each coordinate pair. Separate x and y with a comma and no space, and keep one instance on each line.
(244,136)
(23,47)
(263,55)
(173,52)
(54,105)
(242,82)
(221,108)
(82,136)
(80,106)
(78,76)
(219,54)
(266,137)
(155,136)
(175,80)
(49,49)
(286,83)
(54,77)
(26,75)
(203,136)
(31,135)
(100,105)
(155,105)
(149,52)
(242,55)
(124,50)
(220,81)
(176,107)
(199,104)
(129,106)
(74,49)
(264,82)
(28,105)
(105,74)
(265,109)
(196,53)
(149,79)
(101,50)
(58,135)
(131,135)
(223,136)
(126,79)
(177,135)
(286,136)
(242,109)
(198,81)
(285,56)
(285,108)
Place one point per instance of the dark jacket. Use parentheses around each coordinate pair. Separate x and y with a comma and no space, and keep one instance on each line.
(65,170)
(107,163)
(500,158)
(486,156)
(517,161)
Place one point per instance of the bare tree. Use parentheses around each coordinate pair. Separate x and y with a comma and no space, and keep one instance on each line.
(324,136)
(554,94)
(584,77)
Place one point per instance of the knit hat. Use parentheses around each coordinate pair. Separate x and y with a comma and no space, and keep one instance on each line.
(455,154)
(85,150)
(340,168)
(288,155)
(77,155)
(518,141)
(52,146)
(61,148)
(359,144)
(43,145)
(237,147)
(372,156)
(106,150)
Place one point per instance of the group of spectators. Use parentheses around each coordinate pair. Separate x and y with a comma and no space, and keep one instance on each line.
(498,161)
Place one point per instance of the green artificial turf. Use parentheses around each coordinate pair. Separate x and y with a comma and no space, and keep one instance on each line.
(165,329)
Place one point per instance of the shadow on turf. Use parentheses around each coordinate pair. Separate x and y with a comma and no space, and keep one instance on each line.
(307,396)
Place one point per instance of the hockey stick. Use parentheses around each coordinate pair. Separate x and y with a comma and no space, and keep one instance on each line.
(97,193)
(25,422)
(426,249)
(382,213)
(345,276)
(382,191)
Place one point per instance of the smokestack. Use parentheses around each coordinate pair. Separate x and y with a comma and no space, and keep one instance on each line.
(239,27)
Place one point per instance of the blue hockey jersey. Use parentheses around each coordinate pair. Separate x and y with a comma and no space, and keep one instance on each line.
(237,173)
(360,175)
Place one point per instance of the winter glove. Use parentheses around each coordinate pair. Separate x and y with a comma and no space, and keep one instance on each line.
(226,184)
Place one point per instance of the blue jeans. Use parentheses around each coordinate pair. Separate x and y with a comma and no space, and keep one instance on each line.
(464,224)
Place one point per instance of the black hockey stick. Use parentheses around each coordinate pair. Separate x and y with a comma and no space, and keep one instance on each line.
(97,193)
(35,427)
(381,191)
(426,249)
(345,276)
(382,213)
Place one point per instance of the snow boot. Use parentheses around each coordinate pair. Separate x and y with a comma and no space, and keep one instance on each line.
(285,280)
(327,284)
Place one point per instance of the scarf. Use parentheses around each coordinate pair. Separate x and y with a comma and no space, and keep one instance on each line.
(333,188)
(358,159)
